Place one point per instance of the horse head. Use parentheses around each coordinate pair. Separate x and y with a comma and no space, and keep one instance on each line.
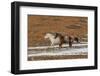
(48,35)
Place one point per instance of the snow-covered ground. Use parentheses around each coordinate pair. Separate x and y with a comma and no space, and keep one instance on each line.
(77,49)
(64,51)
(65,45)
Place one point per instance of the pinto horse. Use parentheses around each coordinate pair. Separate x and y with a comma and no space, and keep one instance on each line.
(57,38)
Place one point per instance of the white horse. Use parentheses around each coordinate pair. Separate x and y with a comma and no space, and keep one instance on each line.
(55,38)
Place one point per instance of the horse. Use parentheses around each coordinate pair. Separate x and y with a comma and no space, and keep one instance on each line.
(57,38)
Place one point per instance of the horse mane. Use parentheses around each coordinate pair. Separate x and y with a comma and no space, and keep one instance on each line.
(58,34)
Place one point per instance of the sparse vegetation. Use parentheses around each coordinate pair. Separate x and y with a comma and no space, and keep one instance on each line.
(67,25)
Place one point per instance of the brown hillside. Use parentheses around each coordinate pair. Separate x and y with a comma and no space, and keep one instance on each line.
(67,25)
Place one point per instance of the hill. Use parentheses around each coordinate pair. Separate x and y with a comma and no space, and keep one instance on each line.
(38,25)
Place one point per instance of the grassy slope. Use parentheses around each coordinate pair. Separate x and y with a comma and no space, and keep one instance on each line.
(39,25)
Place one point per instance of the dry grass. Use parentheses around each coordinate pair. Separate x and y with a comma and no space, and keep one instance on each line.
(39,25)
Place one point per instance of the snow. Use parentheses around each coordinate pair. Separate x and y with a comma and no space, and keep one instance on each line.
(80,50)
(65,45)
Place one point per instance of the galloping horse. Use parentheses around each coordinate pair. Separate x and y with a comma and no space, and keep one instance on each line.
(57,38)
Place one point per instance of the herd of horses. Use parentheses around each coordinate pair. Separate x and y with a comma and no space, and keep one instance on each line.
(58,38)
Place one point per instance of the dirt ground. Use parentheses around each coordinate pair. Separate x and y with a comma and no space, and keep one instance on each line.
(46,57)
(38,25)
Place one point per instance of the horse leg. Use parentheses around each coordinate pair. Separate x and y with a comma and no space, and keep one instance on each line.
(49,46)
(52,45)
(70,41)
(70,44)
(60,46)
